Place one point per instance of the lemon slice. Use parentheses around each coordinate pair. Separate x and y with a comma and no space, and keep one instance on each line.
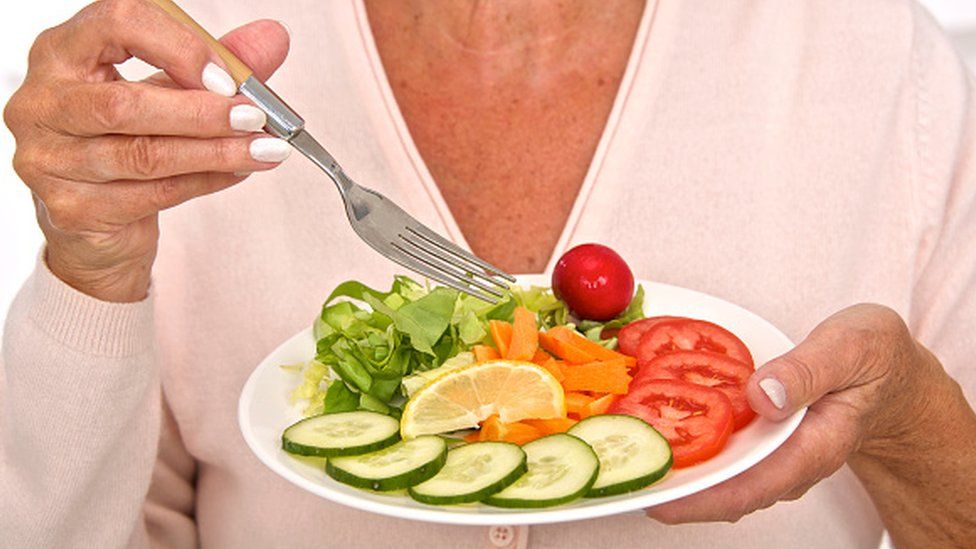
(461,398)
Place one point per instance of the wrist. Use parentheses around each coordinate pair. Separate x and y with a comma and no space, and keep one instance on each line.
(913,402)
(124,282)
(916,469)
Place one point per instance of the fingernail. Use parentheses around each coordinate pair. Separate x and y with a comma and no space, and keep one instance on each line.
(242,174)
(774,390)
(218,81)
(270,149)
(286,27)
(247,118)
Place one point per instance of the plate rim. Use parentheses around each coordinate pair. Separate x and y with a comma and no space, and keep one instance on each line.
(501,516)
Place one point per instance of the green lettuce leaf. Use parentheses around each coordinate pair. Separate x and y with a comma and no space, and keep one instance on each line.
(339,398)
(426,319)
(371,340)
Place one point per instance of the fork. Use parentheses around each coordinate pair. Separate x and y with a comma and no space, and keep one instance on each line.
(376,219)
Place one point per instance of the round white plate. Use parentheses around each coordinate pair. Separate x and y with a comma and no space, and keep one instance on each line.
(264,412)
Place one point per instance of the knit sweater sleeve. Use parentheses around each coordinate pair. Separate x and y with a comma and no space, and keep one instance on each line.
(80,423)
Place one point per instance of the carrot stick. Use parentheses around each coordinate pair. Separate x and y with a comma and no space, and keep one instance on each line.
(597,407)
(525,336)
(592,348)
(607,376)
(483,353)
(555,368)
(551,426)
(564,350)
(520,433)
(501,334)
(517,432)
(491,428)
(576,401)
(541,357)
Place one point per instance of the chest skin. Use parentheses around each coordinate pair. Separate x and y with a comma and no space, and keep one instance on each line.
(507,125)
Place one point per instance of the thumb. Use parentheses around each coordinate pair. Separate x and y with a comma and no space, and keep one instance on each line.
(830,359)
(262,45)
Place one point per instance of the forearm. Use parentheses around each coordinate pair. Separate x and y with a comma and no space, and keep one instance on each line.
(920,476)
(80,418)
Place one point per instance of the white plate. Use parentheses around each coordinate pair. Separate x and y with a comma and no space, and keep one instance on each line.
(264,412)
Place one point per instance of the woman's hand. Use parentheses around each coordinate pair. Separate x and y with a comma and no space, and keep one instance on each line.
(103,156)
(878,401)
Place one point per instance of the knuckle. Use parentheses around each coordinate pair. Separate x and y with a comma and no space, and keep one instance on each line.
(141,156)
(112,105)
(192,50)
(42,47)
(200,113)
(25,164)
(225,150)
(888,320)
(800,373)
(31,108)
(13,116)
(64,210)
(166,193)
(117,10)
(871,321)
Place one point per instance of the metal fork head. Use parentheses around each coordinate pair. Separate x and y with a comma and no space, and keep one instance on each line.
(398,236)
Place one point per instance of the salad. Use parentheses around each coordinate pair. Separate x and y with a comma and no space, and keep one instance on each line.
(550,395)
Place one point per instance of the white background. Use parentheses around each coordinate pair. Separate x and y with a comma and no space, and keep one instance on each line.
(19,237)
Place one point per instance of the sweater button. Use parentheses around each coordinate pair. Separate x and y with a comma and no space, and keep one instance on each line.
(501,536)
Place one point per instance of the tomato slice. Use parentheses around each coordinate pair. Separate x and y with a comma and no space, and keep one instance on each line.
(628,338)
(691,335)
(704,368)
(696,420)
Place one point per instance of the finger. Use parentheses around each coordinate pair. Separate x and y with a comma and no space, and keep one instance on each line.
(831,358)
(135,108)
(116,157)
(815,451)
(134,200)
(80,207)
(108,32)
(262,45)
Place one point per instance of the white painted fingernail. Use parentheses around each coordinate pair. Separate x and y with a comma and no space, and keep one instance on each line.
(774,390)
(247,118)
(218,81)
(270,149)
(286,27)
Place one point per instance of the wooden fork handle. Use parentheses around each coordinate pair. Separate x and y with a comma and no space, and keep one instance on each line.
(237,69)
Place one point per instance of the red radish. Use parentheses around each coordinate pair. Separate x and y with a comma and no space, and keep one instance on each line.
(594,281)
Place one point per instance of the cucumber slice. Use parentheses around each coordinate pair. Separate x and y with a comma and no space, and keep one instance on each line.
(632,453)
(472,473)
(561,469)
(396,467)
(342,434)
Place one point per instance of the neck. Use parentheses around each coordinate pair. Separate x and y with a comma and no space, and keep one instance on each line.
(492,28)
(500,27)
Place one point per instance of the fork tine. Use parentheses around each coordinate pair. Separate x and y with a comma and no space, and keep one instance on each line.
(449,264)
(445,270)
(474,275)
(410,261)
(430,236)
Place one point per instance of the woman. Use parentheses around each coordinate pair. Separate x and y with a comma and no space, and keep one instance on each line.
(796,158)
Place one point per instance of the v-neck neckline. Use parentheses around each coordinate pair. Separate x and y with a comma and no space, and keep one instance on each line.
(420,166)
